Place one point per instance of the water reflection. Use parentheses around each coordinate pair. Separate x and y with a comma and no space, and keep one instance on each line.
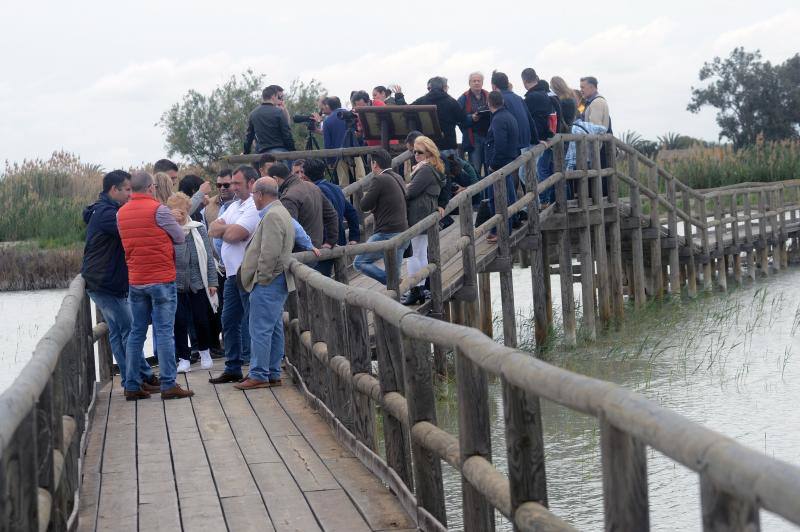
(724,361)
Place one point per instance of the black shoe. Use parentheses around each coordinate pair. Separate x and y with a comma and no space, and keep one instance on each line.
(225,378)
(414,296)
(217,352)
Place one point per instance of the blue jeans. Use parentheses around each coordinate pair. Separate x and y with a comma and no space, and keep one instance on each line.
(365,263)
(478,155)
(511,197)
(544,169)
(159,303)
(235,330)
(117,313)
(523,178)
(266,329)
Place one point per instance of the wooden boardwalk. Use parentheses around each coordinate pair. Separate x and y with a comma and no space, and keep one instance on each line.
(225,460)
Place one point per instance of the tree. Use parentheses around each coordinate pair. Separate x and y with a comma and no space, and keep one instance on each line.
(205,128)
(753,98)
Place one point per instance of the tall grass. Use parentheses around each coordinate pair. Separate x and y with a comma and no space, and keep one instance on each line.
(42,200)
(709,167)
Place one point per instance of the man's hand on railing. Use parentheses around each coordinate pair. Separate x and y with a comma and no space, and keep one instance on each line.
(441,211)
(316,251)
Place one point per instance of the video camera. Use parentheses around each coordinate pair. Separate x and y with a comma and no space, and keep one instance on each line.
(309,120)
(347,115)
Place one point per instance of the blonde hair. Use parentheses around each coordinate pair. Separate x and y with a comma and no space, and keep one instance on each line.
(434,159)
(561,88)
(179,200)
(163,187)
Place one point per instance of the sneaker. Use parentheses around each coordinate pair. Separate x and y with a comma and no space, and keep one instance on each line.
(205,360)
(184,366)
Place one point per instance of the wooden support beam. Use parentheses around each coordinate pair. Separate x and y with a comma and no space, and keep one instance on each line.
(585,246)
(564,254)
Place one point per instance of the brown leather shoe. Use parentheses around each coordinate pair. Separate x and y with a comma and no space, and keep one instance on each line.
(251,384)
(225,378)
(176,392)
(151,388)
(244,378)
(153,380)
(275,382)
(135,396)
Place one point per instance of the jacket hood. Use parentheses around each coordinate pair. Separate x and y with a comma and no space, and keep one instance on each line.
(102,200)
(437,94)
(541,86)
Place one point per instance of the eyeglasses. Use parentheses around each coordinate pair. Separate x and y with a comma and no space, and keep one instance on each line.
(417,152)
(223,185)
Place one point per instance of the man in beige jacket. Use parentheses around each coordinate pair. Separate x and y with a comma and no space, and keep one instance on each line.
(596,111)
(262,276)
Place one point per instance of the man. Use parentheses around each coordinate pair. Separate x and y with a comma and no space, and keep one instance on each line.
(449,113)
(263,277)
(263,164)
(333,127)
(476,125)
(526,129)
(386,199)
(268,124)
(596,110)
(235,228)
(501,149)
(106,273)
(313,170)
(168,167)
(148,231)
(540,106)
(306,204)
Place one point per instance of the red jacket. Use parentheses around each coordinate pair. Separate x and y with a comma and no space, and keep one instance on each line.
(149,252)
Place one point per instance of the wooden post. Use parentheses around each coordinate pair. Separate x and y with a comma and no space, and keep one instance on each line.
(750,256)
(780,206)
(105,357)
(672,223)
(467,292)
(655,243)
(524,446)
(548,288)
(437,305)
(599,231)
(637,250)
(624,480)
(392,271)
(777,246)
(614,235)
(422,407)
(474,434)
(707,286)
(722,511)
(688,227)
(762,232)
(585,245)
(504,252)
(719,232)
(485,290)
(538,261)
(390,375)
(564,251)
(736,242)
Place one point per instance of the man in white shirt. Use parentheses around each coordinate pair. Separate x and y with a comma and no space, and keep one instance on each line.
(235,227)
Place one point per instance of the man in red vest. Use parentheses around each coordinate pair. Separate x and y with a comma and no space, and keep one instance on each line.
(148,231)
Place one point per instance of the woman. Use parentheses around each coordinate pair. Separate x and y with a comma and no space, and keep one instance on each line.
(569,107)
(192,186)
(382,94)
(163,186)
(422,193)
(196,283)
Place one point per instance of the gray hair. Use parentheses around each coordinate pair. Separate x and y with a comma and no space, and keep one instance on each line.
(479,74)
(140,181)
(266,188)
(437,82)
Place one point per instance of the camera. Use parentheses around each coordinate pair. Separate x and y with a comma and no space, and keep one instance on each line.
(347,115)
(309,120)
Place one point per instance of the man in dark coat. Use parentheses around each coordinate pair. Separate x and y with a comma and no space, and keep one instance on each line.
(501,149)
(449,113)
(106,273)
(268,124)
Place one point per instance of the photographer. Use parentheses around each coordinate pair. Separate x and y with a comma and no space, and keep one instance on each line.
(268,124)
(361,99)
(333,127)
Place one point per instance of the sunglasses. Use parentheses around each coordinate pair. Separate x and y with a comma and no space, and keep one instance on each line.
(417,152)
(223,185)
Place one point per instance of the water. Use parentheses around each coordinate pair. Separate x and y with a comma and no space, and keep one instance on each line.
(727,362)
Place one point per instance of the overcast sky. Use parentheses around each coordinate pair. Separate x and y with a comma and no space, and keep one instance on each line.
(93,77)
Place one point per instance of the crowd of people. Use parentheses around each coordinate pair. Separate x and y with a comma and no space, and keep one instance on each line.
(206,271)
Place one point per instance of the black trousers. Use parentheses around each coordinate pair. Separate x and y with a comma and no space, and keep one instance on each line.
(192,308)
(215,320)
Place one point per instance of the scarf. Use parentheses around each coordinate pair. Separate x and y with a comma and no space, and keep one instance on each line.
(468,97)
(190,228)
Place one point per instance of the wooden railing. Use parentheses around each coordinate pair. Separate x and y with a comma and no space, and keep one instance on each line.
(331,328)
(43,421)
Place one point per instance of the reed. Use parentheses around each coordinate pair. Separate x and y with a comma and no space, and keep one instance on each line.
(28,267)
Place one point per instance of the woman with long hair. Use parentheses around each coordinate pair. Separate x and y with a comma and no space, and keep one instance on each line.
(569,106)
(163,187)
(196,283)
(422,193)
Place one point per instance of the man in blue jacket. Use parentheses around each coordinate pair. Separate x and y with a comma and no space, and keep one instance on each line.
(501,149)
(106,273)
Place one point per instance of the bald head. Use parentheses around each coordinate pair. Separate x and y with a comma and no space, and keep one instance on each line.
(265,191)
(141,181)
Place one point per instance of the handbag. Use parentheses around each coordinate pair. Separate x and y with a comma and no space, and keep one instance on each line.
(484,213)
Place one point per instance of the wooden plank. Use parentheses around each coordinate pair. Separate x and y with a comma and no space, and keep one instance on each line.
(585,247)
(336,512)
(564,255)
(723,512)
(250,435)
(637,251)
(246,514)
(93,461)
(655,244)
(286,504)
(603,274)
(270,413)
(624,480)
(304,464)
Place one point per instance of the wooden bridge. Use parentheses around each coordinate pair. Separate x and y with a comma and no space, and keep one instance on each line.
(307,457)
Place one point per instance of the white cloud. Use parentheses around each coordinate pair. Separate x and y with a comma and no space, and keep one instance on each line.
(775,36)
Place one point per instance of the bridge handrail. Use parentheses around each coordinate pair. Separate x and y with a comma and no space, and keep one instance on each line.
(44,418)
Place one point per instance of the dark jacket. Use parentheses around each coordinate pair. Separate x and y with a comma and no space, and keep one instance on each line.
(306,203)
(450,116)
(334,130)
(268,126)
(569,112)
(470,128)
(344,211)
(541,107)
(423,193)
(526,128)
(104,268)
(501,143)
(386,199)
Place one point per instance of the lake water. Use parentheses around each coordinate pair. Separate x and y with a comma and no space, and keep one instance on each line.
(727,361)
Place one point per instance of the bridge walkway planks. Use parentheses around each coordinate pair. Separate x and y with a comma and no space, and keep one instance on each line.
(260,460)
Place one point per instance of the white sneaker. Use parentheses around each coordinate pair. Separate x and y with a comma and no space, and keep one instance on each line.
(184,366)
(205,360)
